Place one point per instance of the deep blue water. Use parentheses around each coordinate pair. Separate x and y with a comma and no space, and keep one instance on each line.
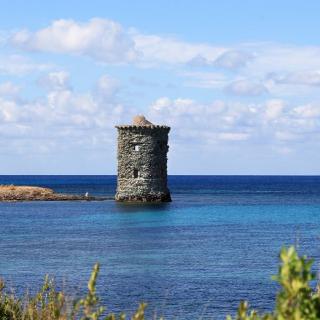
(215,244)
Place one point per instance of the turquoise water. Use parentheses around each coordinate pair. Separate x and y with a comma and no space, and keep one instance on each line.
(215,244)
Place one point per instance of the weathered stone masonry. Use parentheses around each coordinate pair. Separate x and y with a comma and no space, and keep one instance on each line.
(142,162)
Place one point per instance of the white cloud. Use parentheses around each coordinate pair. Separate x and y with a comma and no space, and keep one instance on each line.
(283,150)
(274,109)
(19,65)
(100,39)
(199,61)
(308,78)
(157,50)
(205,123)
(107,41)
(307,111)
(3,37)
(246,88)
(65,117)
(8,111)
(232,136)
(280,58)
(233,59)
(107,86)
(273,121)
(286,135)
(8,89)
(58,80)
(259,68)
(61,118)
(198,79)
(244,70)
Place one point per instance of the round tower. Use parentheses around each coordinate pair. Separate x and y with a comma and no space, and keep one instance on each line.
(142,162)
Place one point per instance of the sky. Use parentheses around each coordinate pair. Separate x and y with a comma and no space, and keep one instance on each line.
(238,82)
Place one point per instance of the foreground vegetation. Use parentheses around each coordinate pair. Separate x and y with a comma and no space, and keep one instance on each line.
(295,301)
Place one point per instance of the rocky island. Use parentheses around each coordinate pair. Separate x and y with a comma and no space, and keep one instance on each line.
(30,193)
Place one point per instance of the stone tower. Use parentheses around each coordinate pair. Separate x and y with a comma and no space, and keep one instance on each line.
(142,162)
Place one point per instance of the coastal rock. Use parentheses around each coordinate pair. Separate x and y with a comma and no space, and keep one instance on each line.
(30,193)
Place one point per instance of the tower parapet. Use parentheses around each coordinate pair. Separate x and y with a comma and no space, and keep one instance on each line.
(142,162)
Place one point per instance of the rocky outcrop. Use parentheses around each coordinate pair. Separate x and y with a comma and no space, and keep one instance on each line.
(28,193)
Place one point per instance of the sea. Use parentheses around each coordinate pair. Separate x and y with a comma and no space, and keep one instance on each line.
(215,244)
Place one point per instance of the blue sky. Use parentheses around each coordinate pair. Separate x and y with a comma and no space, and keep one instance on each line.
(238,82)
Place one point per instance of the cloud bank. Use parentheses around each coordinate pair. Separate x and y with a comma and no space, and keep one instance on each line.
(247,94)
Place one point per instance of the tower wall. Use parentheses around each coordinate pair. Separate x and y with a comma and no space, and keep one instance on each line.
(142,163)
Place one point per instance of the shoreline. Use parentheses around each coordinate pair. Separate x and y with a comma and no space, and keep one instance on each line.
(12,193)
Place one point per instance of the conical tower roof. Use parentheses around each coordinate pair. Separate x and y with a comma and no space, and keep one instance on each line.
(141,120)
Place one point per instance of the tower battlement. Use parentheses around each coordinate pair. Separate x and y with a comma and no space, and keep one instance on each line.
(146,127)
(142,162)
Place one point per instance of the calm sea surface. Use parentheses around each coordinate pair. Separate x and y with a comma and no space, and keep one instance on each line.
(215,244)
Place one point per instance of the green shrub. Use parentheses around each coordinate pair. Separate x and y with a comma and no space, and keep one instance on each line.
(48,304)
(295,301)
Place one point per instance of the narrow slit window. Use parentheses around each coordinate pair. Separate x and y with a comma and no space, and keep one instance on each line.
(136,147)
(136,173)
